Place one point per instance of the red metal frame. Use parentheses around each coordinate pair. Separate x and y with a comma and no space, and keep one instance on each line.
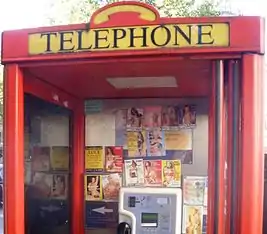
(222,218)
(18,80)
(252,145)
(48,92)
(240,40)
(222,154)
(13,150)
(211,161)
(78,169)
(229,143)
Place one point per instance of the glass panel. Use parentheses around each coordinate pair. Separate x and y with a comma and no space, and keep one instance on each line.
(47,169)
(169,150)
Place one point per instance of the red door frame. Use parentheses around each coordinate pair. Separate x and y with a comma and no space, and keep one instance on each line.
(213,172)
(13,150)
(15,86)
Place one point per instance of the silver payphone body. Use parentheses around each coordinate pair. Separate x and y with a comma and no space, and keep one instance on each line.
(150,211)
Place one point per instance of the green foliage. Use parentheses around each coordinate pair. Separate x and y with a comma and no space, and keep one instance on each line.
(78,11)
(172,8)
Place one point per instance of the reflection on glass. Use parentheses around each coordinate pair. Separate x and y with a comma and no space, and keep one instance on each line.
(46,168)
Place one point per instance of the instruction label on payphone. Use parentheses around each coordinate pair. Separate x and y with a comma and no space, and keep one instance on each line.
(151,210)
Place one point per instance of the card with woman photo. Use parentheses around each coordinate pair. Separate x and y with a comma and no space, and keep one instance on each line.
(41,158)
(93,188)
(187,116)
(192,219)
(111,186)
(169,116)
(155,142)
(42,185)
(135,118)
(171,173)
(134,172)
(193,190)
(153,173)
(60,186)
(136,143)
(113,158)
(152,116)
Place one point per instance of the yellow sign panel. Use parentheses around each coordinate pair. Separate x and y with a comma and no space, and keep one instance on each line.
(131,38)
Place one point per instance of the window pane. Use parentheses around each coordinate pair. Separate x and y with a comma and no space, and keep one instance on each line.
(46,168)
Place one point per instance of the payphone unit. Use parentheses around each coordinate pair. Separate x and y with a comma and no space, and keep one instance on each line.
(150,210)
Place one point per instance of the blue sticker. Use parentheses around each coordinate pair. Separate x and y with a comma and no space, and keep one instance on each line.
(93,106)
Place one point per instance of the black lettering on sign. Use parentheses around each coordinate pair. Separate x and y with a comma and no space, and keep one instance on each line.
(80,45)
(208,29)
(48,40)
(118,33)
(65,41)
(167,35)
(143,37)
(179,32)
(101,35)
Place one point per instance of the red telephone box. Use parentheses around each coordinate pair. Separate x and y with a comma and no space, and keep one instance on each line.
(62,85)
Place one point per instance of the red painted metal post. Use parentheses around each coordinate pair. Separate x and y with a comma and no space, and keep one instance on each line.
(251,214)
(13,150)
(78,226)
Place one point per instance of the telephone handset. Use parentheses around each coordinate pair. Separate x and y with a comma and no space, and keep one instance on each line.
(144,13)
(124,228)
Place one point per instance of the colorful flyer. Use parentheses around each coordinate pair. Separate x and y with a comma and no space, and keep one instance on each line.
(94,158)
(60,158)
(42,185)
(134,172)
(153,172)
(60,187)
(152,116)
(136,143)
(169,116)
(185,156)
(179,139)
(135,117)
(187,116)
(113,158)
(205,202)
(192,219)
(111,186)
(121,138)
(155,143)
(193,190)
(120,119)
(41,158)
(205,220)
(171,173)
(93,188)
